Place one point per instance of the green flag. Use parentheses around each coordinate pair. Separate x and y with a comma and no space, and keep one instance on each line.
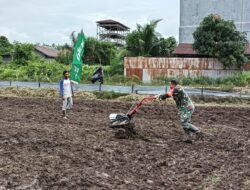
(76,70)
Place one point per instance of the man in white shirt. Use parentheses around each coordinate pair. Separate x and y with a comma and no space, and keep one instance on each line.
(66,92)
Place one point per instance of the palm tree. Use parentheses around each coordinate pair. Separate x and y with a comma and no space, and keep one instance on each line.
(73,38)
(144,39)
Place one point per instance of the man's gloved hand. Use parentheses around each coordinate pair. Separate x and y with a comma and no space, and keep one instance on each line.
(162,97)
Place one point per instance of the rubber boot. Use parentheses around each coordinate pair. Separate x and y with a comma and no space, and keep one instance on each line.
(187,136)
(64,114)
(193,129)
(196,131)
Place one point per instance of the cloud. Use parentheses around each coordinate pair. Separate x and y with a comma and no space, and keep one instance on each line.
(12,34)
(50,21)
(56,37)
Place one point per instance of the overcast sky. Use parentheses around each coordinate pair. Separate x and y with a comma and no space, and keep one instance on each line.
(52,21)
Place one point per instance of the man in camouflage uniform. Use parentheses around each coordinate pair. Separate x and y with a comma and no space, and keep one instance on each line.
(185,107)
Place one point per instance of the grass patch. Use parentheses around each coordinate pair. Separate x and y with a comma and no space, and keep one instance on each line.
(51,71)
(220,100)
(110,95)
(29,92)
(227,84)
(211,182)
(247,184)
(214,180)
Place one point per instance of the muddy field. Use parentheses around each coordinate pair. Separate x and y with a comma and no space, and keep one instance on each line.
(40,150)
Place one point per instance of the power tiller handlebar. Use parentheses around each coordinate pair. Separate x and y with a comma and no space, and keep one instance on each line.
(120,120)
(132,111)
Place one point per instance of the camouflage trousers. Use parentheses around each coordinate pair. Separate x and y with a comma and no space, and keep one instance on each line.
(185,114)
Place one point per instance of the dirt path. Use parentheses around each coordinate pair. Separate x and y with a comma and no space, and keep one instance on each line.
(39,150)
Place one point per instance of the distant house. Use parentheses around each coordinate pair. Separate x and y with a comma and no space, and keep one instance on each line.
(186,50)
(46,52)
(6,57)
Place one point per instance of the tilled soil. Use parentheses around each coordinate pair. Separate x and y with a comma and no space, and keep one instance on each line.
(41,150)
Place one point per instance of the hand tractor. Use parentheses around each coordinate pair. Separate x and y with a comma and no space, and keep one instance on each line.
(123,122)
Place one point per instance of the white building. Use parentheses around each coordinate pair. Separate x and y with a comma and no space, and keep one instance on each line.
(192,13)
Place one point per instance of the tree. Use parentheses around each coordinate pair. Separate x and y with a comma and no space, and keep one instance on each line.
(169,46)
(98,52)
(66,51)
(90,54)
(142,41)
(133,43)
(5,46)
(218,38)
(65,56)
(165,48)
(145,41)
(22,53)
(94,51)
(105,52)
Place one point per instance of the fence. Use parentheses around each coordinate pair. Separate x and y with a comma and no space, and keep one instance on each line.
(123,89)
(149,68)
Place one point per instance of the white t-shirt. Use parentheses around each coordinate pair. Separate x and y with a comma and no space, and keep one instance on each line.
(67,92)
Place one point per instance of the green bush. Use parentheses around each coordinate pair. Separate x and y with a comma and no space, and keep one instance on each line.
(87,72)
(22,53)
(160,81)
(65,57)
(40,70)
(5,46)
(201,81)
(227,87)
(1,60)
(48,71)
(113,74)
(116,68)
(98,52)
(121,80)
(108,95)
(8,74)
(240,79)
(186,81)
